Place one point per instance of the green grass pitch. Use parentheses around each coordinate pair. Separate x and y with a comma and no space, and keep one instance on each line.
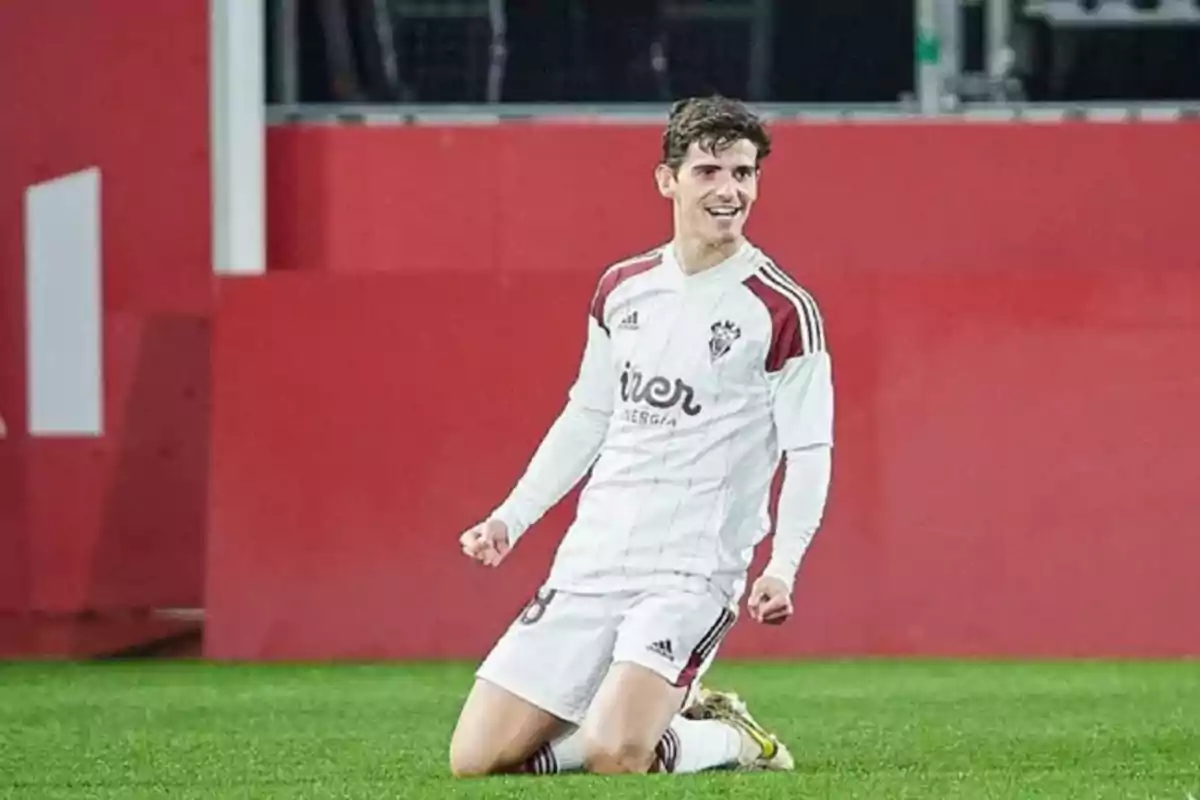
(858,729)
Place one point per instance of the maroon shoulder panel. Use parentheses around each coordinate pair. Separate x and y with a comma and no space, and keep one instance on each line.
(786,340)
(614,278)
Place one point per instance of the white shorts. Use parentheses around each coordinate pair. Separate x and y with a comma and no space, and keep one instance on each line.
(558,650)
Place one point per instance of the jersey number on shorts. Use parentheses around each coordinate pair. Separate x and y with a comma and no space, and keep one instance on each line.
(537,606)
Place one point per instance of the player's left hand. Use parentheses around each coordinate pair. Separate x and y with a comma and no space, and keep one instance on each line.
(770,601)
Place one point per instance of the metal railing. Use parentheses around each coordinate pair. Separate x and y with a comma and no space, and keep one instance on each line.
(1116,13)
(942,83)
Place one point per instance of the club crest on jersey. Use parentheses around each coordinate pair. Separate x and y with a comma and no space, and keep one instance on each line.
(724,334)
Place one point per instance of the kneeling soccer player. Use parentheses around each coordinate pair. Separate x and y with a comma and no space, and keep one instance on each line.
(705,366)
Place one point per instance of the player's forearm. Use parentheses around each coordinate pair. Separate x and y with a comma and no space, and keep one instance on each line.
(801,506)
(563,458)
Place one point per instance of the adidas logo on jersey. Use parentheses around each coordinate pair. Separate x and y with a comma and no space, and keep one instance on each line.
(662,648)
(630,322)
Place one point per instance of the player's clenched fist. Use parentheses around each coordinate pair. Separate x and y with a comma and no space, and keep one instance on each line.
(770,601)
(487,542)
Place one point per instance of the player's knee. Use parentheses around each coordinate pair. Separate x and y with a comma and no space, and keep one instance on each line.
(470,760)
(616,756)
(464,764)
(468,764)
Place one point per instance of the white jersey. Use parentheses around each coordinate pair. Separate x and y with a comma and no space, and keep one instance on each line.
(705,380)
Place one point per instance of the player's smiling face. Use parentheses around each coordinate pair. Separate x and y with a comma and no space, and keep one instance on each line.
(713,192)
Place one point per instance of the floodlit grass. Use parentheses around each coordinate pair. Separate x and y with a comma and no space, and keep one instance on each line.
(858,729)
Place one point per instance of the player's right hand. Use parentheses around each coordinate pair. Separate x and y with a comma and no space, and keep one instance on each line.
(487,542)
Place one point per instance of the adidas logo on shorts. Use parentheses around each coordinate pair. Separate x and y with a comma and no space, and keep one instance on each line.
(663,648)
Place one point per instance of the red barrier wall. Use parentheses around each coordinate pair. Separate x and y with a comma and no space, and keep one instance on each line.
(1013,312)
(114,522)
(568,197)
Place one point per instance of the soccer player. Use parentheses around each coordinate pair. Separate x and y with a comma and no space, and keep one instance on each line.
(705,366)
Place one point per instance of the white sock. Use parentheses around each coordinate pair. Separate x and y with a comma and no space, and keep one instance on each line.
(695,745)
(687,746)
(564,754)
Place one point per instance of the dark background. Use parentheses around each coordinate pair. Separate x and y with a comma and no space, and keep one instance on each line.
(822,51)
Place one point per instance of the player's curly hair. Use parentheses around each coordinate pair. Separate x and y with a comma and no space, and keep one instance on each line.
(715,122)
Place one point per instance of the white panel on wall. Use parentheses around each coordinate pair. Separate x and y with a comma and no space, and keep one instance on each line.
(64,312)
